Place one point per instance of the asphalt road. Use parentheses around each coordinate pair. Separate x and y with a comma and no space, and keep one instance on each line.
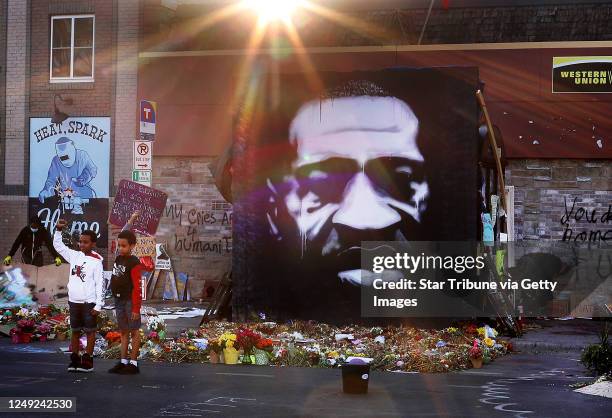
(518,385)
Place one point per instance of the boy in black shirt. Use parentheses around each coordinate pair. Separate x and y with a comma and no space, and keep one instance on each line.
(125,286)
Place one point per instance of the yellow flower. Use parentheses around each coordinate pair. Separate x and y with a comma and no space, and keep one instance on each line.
(333,354)
(489,342)
(451,330)
(191,348)
(481,331)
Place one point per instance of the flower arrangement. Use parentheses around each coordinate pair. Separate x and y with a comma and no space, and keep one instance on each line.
(215,346)
(475,352)
(265,344)
(26,325)
(61,328)
(155,323)
(228,340)
(113,337)
(247,339)
(489,342)
(43,329)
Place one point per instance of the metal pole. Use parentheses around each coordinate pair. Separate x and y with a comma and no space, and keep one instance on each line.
(426,21)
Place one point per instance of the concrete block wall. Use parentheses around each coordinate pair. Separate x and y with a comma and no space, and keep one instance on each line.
(197,223)
(547,192)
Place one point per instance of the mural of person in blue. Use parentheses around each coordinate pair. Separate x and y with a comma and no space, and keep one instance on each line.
(69,175)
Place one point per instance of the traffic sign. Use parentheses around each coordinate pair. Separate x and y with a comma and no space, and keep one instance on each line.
(142,177)
(143,155)
(148,119)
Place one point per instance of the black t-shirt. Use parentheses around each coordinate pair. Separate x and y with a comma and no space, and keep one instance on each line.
(121,280)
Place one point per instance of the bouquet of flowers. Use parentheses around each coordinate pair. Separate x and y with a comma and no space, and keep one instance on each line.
(155,323)
(43,329)
(61,328)
(26,325)
(227,340)
(215,346)
(112,337)
(264,344)
(247,339)
(475,352)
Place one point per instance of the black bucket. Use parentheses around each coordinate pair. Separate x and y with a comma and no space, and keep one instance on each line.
(355,378)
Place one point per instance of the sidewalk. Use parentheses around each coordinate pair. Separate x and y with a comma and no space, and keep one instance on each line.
(559,336)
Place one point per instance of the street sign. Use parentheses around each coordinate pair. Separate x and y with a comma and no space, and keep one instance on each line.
(143,158)
(148,119)
(142,177)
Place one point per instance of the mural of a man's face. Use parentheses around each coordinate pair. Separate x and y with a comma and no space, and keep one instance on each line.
(357,176)
(66,152)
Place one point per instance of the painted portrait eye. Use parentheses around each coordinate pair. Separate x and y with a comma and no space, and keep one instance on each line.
(326,179)
(392,176)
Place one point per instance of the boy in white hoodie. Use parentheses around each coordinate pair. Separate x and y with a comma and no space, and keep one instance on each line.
(85,293)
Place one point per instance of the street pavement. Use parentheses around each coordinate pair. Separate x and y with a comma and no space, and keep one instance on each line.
(518,385)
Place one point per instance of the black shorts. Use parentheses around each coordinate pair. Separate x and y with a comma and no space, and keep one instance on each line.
(81,318)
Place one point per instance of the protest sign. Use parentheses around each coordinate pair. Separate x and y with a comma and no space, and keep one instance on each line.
(132,197)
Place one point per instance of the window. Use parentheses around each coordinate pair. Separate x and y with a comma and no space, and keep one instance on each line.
(72,48)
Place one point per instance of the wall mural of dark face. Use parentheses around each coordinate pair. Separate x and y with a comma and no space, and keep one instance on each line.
(387,155)
(358,174)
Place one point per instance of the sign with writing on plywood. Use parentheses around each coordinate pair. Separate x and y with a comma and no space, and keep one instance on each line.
(148,119)
(143,155)
(132,197)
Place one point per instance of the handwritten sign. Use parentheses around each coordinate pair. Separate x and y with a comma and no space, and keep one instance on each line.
(145,247)
(132,197)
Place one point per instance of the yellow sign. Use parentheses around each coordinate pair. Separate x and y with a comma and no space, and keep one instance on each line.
(582,74)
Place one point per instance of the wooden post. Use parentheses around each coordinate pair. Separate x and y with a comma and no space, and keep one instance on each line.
(493,143)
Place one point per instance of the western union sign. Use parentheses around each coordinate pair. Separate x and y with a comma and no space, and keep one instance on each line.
(582,75)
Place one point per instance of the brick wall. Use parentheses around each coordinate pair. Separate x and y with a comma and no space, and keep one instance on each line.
(16,91)
(89,99)
(13,217)
(196,226)
(547,190)
(567,22)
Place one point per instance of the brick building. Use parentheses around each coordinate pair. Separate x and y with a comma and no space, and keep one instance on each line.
(176,53)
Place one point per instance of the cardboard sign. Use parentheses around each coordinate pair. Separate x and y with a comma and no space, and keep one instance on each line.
(132,197)
(162,259)
(145,247)
(143,155)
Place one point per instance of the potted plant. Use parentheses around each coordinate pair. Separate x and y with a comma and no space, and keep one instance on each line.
(157,324)
(228,342)
(246,340)
(61,331)
(15,335)
(215,354)
(262,351)
(43,330)
(26,326)
(476,355)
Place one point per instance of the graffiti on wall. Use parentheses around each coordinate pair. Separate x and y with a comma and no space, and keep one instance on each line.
(358,160)
(596,225)
(190,224)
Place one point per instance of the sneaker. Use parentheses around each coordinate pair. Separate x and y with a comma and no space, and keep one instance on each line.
(75,362)
(129,369)
(86,364)
(116,368)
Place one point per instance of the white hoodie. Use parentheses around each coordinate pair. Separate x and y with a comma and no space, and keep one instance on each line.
(85,284)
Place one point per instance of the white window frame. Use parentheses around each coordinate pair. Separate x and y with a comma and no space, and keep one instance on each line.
(72,78)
